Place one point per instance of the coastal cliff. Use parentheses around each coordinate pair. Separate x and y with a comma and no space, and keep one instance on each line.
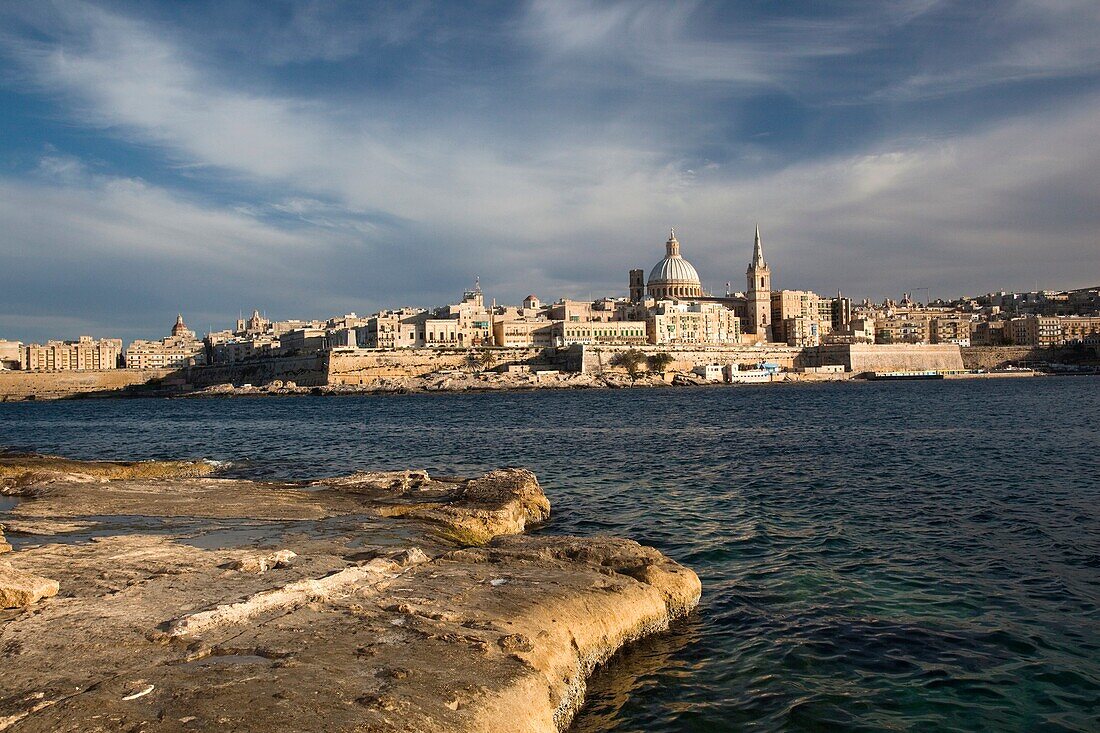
(382,601)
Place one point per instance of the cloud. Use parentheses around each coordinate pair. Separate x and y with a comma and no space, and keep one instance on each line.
(548,152)
(115,250)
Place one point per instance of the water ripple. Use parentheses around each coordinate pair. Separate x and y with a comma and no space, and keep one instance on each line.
(875,557)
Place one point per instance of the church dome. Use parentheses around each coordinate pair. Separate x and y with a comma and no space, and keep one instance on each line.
(673,277)
(673,269)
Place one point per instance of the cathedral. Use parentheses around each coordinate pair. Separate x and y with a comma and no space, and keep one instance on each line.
(674,278)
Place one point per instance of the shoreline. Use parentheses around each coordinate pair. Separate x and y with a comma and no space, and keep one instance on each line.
(472,383)
(387,601)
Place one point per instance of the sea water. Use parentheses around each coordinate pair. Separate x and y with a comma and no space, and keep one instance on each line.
(918,556)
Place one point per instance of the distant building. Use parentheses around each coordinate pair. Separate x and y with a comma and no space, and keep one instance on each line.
(692,323)
(530,332)
(950,330)
(181,349)
(859,331)
(303,341)
(903,329)
(1052,330)
(394,329)
(673,276)
(10,354)
(565,333)
(759,278)
(82,354)
(988,333)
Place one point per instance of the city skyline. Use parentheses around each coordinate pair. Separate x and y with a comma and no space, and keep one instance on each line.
(324,159)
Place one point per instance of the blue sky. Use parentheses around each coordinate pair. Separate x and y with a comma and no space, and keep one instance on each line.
(316,158)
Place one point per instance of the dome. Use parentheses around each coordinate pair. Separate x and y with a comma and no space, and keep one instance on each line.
(673,269)
(673,277)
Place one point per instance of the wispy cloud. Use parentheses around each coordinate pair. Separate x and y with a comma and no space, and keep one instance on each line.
(546,150)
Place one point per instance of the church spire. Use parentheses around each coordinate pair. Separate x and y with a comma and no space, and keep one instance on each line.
(758,251)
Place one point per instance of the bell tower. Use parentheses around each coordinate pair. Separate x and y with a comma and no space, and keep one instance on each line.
(759,277)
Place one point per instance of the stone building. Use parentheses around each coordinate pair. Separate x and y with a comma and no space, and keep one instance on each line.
(84,353)
(673,277)
(950,330)
(1052,330)
(303,341)
(758,296)
(232,349)
(565,333)
(181,349)
(672,322)
(859,331)
(988,333)
(10,354)
(393,329)
(537,332)
(903,329)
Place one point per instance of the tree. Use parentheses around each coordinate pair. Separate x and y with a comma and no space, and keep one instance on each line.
(480,359)
(659,362)
(631,361)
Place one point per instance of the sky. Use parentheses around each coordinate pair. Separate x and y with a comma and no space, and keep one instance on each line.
(311,159)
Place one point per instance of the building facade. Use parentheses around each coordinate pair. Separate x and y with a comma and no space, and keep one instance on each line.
(84,353)
(181,349)
(671,322)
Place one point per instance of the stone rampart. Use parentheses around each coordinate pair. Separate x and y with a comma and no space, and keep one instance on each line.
(366,366)
(861,358)
(21,385)
(310,370)
(591,359)
(994,357)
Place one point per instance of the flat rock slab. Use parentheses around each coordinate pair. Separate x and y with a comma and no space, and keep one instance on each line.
(475,628)
(19,588)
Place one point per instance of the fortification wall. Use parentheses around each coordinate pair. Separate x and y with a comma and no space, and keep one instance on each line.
(595,359)
(993,357)
(364,367)
(306,371)
(20,385)
(861,358)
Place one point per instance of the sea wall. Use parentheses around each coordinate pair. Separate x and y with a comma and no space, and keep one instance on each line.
(860,358)
(590,359)
(362,367)
(994,357)
(307,371)
(20,385)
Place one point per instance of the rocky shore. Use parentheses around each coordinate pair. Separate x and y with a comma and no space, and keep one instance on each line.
(488,382)
(158,596)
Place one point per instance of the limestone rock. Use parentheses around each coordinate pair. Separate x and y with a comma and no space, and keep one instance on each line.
(18,588)
(263,563)
(374,480)
(45,527)
(20,473)
(380,623)
(500,502)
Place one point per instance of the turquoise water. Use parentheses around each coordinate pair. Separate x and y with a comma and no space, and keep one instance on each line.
(919,556)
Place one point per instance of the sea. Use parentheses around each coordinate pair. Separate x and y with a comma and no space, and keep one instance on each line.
(907,556)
